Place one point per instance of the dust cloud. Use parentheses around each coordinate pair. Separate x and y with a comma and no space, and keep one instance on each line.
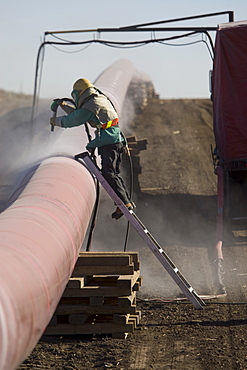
(22,146)
(25,144)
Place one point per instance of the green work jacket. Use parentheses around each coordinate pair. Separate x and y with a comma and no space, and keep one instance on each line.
(96,109)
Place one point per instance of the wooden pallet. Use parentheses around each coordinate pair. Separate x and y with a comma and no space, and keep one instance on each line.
(135,146)
(100,297)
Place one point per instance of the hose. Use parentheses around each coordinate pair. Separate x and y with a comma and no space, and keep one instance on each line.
(96,205)
(130,190)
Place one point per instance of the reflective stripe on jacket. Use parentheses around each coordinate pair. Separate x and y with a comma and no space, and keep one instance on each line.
(114,122)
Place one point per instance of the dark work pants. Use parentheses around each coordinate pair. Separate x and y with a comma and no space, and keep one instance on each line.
(111,156)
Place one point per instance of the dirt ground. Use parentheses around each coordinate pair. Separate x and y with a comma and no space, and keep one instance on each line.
(177,203)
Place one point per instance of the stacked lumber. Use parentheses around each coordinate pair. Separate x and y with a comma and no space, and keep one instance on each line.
(100,297)
(135,146)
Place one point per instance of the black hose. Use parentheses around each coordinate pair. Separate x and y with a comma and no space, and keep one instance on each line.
(130,191)
(94,218)
(96,205)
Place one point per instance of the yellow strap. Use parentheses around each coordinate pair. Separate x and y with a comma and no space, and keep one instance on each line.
(108,124)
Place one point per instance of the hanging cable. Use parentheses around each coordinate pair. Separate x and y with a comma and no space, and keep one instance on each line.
(71,52)
(131,191)
(116,44)
(96,204)
(130,188)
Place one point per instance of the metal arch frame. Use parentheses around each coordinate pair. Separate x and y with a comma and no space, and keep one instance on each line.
(137,27)
(143,26)
(133,28)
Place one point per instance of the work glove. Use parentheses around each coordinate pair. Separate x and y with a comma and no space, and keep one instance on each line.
(126,150)
(56,103)
(56,121)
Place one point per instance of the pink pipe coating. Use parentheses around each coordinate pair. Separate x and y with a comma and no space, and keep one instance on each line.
(41,235)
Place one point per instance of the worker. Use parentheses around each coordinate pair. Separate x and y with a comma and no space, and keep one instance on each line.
(94,107)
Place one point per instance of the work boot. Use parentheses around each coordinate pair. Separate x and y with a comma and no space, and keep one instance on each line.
(118,213)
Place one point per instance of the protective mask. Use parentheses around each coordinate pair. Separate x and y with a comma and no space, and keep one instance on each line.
(75,96)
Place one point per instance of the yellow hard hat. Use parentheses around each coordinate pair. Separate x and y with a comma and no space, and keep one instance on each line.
(81,85)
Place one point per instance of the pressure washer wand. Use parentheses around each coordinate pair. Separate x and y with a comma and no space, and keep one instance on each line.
(52,127)
(63,103)
(54,116)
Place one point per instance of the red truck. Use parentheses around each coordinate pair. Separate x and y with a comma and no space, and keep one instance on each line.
(229,96)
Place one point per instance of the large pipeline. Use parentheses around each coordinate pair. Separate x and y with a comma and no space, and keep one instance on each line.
(42,232)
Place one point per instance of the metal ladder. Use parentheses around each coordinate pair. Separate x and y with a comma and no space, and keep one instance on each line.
(159,253)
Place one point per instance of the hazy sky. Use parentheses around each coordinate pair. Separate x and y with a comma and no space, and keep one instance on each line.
(176,71)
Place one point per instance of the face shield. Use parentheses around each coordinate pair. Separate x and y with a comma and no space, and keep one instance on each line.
(75,96)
